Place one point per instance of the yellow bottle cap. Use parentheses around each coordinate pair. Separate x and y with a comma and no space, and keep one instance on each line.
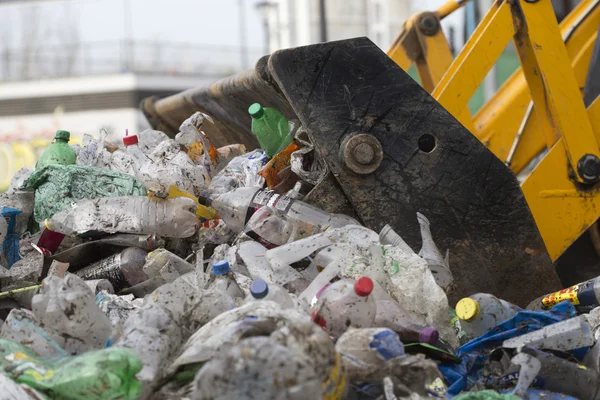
(467,309)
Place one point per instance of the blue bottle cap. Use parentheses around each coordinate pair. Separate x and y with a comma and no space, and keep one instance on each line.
(221,267)
(259,289)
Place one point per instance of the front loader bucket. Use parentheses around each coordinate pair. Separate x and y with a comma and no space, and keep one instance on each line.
(430,163)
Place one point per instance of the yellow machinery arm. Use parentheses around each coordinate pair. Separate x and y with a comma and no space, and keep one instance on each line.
(540,106)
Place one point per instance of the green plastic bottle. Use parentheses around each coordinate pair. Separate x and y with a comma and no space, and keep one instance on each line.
(271,128)
(58,152)
(95,375)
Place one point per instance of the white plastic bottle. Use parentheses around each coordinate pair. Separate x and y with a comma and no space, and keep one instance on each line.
(345,304)
(175,217)
(261,290)
(481,312)
(225,280)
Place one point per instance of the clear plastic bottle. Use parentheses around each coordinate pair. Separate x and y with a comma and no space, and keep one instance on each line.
(174,217)
(481,312)
(345,304)
(225,280)
(300,219)
(261,290)
(133,149)
(67,310)
(121,270)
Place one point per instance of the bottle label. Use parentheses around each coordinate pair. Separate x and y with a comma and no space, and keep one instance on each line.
(261,240)
(268,198)
(580,294)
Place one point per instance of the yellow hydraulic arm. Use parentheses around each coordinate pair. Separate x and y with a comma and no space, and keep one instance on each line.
(540,106)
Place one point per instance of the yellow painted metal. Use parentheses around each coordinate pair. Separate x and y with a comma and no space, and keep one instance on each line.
(562,209)
(499,119)
(551,80)
(397,51)
(449,7)
(475,60)
(434,56)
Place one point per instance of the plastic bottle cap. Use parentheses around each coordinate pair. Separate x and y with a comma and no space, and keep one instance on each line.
(63,135)
(429,335)
(256,110)
(467,309)
(221,267)
(259,289)
(129,140)
(363,286)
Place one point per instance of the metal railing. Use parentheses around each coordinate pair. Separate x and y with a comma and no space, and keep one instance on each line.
(150,57)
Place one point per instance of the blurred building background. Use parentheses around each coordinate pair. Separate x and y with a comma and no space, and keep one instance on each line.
(84,65)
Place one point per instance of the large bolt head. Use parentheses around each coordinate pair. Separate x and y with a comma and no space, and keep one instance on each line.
(588,168)
(362,153)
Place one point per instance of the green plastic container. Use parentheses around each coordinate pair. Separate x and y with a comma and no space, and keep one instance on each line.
(59,152)
(96,375)
(271,128)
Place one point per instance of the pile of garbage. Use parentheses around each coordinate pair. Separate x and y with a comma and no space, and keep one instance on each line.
(168,269)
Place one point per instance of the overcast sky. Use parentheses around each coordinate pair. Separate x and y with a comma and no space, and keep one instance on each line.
(214,22)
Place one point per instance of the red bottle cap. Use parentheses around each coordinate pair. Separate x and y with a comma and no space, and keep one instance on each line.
(129,140)
(363,286)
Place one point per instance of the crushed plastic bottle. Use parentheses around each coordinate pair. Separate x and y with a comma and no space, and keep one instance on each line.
(168,166)
(174,217)
(95,375)
(198,146)
(153,333)
(367,349)
(481,312)
(148,140)
(59,152)
(67,310)
(345,304)
(272,129)
(241,171)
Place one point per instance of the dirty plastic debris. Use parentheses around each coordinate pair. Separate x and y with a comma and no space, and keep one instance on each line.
(95,375)
(57,187)
(174,217)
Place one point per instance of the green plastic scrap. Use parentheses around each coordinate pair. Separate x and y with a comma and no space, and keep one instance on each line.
(486,395)
(105,374)
(58,186)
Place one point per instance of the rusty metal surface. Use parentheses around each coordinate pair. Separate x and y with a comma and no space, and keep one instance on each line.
(227,101)
(431,164)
